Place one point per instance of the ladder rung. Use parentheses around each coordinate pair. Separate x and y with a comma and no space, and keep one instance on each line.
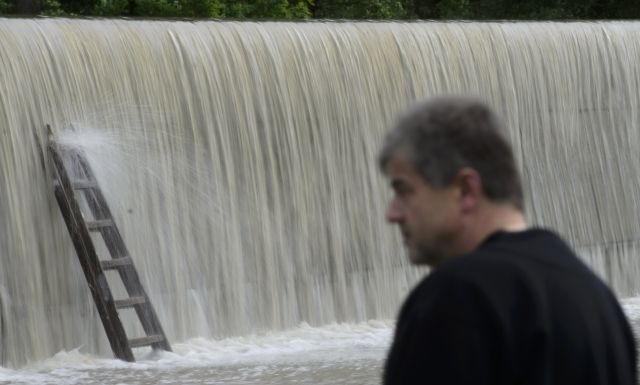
(145,341)
(116,263)
(97,225)
(129,302)
(84,184)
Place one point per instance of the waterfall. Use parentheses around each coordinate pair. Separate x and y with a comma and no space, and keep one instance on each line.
(239,161)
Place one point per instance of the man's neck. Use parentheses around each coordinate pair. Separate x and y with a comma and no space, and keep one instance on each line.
(492,218)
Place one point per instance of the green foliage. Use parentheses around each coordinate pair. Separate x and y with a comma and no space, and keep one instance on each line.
(300,9)
(71,7)
(159,8)
(523,9)
(51,8)
(335,9)
(4,6)
(111,8)
(360,9)
(454,9)
(266,9)
(156,8)
(201,8)
(273,9)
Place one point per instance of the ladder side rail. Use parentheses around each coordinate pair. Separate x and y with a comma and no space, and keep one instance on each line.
(117,248)
(89,261)
(100,210)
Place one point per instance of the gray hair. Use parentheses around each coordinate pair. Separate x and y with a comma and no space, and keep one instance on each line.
(442,135)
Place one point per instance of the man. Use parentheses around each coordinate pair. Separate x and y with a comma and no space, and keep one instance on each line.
(503,304)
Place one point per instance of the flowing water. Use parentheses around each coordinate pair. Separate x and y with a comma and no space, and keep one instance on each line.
(239,162)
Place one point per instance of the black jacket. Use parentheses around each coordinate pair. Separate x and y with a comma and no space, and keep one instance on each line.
(521,309)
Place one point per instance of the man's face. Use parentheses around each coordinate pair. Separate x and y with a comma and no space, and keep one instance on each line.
(427,216)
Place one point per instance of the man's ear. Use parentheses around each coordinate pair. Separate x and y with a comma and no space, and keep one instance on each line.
(470,188)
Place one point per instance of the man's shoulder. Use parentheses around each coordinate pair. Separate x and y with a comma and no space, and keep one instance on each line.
(513,253)
(528,261)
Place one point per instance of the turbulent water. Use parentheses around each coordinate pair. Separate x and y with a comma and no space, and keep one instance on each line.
(332,354)
(347,354)
(239,162)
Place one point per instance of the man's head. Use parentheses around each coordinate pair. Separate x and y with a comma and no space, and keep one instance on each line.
(454,177)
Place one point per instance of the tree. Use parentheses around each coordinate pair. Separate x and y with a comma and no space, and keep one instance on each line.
(114,8)
(267,9)
(5,6)
(335,9)
(360,9)
(201,8)
(27,7)
(76,7)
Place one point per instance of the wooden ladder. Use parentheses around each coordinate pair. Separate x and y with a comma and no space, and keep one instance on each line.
(67,192)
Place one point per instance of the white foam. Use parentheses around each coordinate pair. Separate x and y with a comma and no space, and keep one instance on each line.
(631,307)
(305,341)
(240,360)
(256,353)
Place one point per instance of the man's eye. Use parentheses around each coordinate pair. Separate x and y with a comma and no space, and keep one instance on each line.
(402,190)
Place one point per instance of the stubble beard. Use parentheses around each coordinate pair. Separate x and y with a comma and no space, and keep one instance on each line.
(429,253)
